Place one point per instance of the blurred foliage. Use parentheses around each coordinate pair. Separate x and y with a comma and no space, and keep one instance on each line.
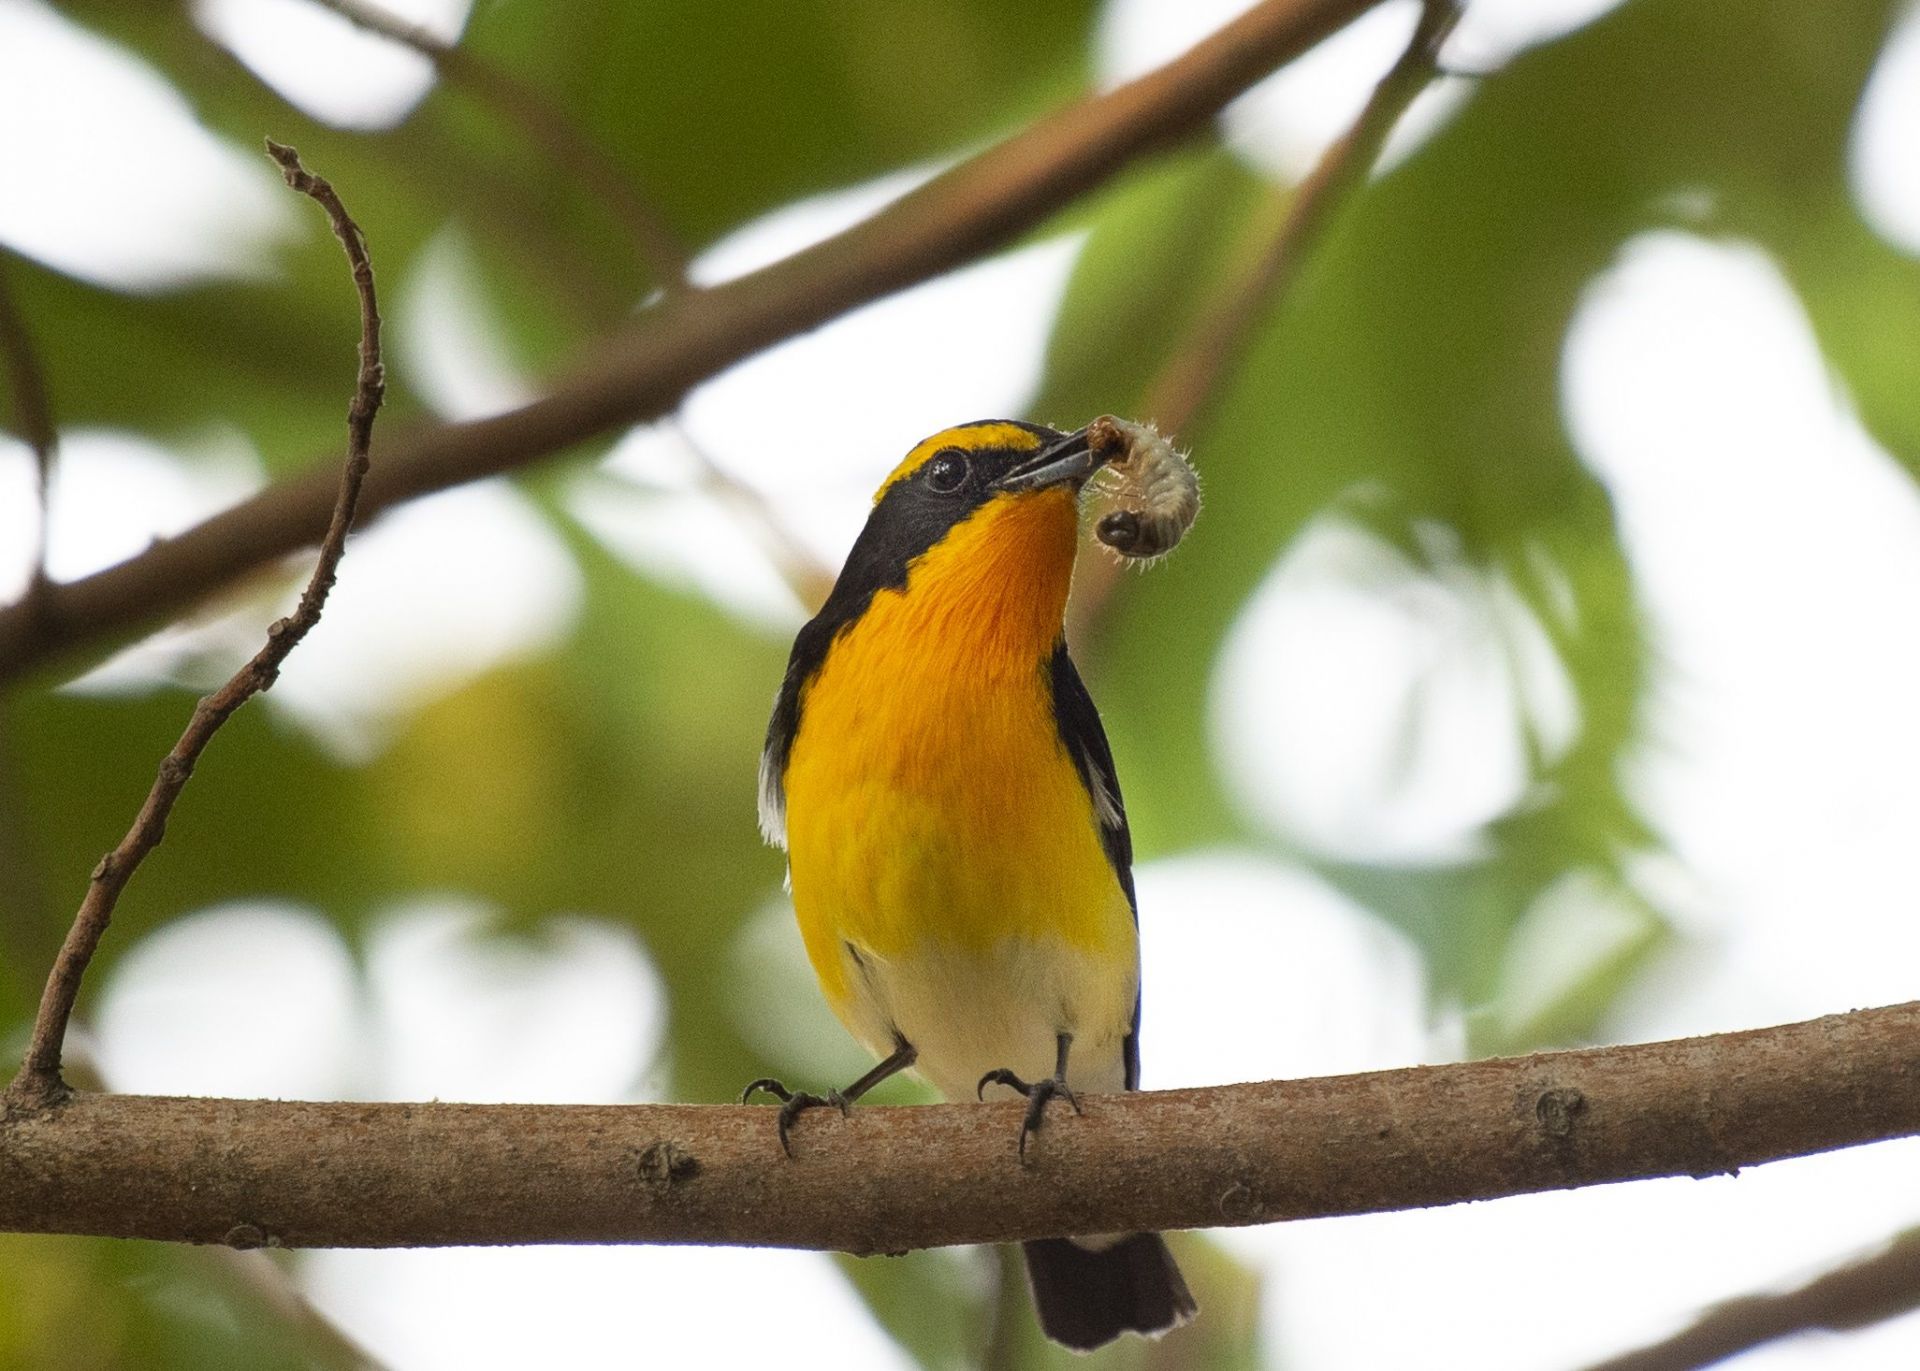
(1418,363)
(129,1306)
(1409,380)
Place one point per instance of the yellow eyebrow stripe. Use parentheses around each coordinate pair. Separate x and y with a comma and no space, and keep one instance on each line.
(967,438)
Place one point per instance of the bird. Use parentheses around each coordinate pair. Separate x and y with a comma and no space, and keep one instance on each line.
(957,848)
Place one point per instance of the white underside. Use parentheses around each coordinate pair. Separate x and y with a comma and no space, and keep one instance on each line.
(969,1012)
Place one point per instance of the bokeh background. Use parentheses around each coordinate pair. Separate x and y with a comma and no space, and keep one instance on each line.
(1542,670)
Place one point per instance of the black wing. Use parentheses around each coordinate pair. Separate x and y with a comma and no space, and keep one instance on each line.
(1086,742)
(809,650)
(878,561)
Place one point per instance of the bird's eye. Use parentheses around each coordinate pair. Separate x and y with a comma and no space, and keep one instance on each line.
(947,471)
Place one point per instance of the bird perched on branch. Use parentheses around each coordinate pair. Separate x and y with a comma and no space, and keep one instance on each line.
(957,847)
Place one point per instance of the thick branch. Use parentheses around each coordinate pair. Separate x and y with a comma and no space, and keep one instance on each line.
(38,1081)
(1871,1290)
(379,1175)
(978,205)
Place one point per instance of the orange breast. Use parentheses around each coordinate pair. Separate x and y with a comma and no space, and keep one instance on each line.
(929,797)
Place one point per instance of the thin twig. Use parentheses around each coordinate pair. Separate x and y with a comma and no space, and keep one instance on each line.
(809,578)
(38,1082)
(567,143)
(254,1172)
(1271,261)
(1864,1292)
(978,205)
(33,421)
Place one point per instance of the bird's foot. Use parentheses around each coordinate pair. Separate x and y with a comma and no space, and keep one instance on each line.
(793,1103)
(1038,1093)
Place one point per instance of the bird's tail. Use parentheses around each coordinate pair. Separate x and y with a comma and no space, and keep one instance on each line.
(1086,1296)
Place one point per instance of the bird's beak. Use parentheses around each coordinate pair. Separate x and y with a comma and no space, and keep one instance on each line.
(1069,460)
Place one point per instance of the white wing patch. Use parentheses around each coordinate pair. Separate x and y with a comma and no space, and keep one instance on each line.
(1106,804)
(773,802)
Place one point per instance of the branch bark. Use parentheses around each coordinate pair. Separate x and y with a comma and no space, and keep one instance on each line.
(38,1082)
(248,1173)
(978,205)
(1869,1291)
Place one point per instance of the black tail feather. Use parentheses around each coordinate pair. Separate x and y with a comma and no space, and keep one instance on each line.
(1086,1298)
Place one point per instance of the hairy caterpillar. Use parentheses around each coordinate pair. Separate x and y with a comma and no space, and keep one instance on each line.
(1152,496)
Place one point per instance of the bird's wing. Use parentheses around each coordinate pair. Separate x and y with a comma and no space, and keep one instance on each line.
(1086,742)
(809,651)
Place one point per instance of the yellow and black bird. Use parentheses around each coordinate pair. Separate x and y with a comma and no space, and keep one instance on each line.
(957,848)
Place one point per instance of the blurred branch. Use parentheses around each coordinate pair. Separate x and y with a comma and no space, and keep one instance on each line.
(810,579)
(38,1082)
(1191,379)
(563,140)
(976,206)
(438,168)
(259,1172)
(33,421)
(1271,259)
(1864,1292)
(257,1276)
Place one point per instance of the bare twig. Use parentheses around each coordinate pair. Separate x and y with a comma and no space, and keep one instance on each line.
(888,1179)
(1282,236)
(1868,1291)
(38,1082)
(563,140)
(978,205)
(33,421)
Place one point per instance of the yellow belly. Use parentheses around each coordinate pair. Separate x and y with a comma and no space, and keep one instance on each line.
(947,869)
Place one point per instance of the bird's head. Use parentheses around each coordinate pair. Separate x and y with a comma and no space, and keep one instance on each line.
(962,571)
(980,520)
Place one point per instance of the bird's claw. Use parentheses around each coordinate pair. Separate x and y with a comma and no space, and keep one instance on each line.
(1038,1093)
(1000,1076)
(793,1103)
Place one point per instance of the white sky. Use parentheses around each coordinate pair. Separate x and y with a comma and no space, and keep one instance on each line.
(1781,600)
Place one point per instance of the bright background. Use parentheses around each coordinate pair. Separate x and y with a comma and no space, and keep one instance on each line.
(1541,671)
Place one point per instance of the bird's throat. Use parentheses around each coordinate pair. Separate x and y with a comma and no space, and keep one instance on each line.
(987,601)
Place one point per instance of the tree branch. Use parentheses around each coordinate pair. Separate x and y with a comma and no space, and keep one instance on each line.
(566,143)
(1871,1290)
(38,1082)
(249,1173)
(978,205)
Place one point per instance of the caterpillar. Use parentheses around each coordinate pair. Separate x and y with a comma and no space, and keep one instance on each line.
(1153,495)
